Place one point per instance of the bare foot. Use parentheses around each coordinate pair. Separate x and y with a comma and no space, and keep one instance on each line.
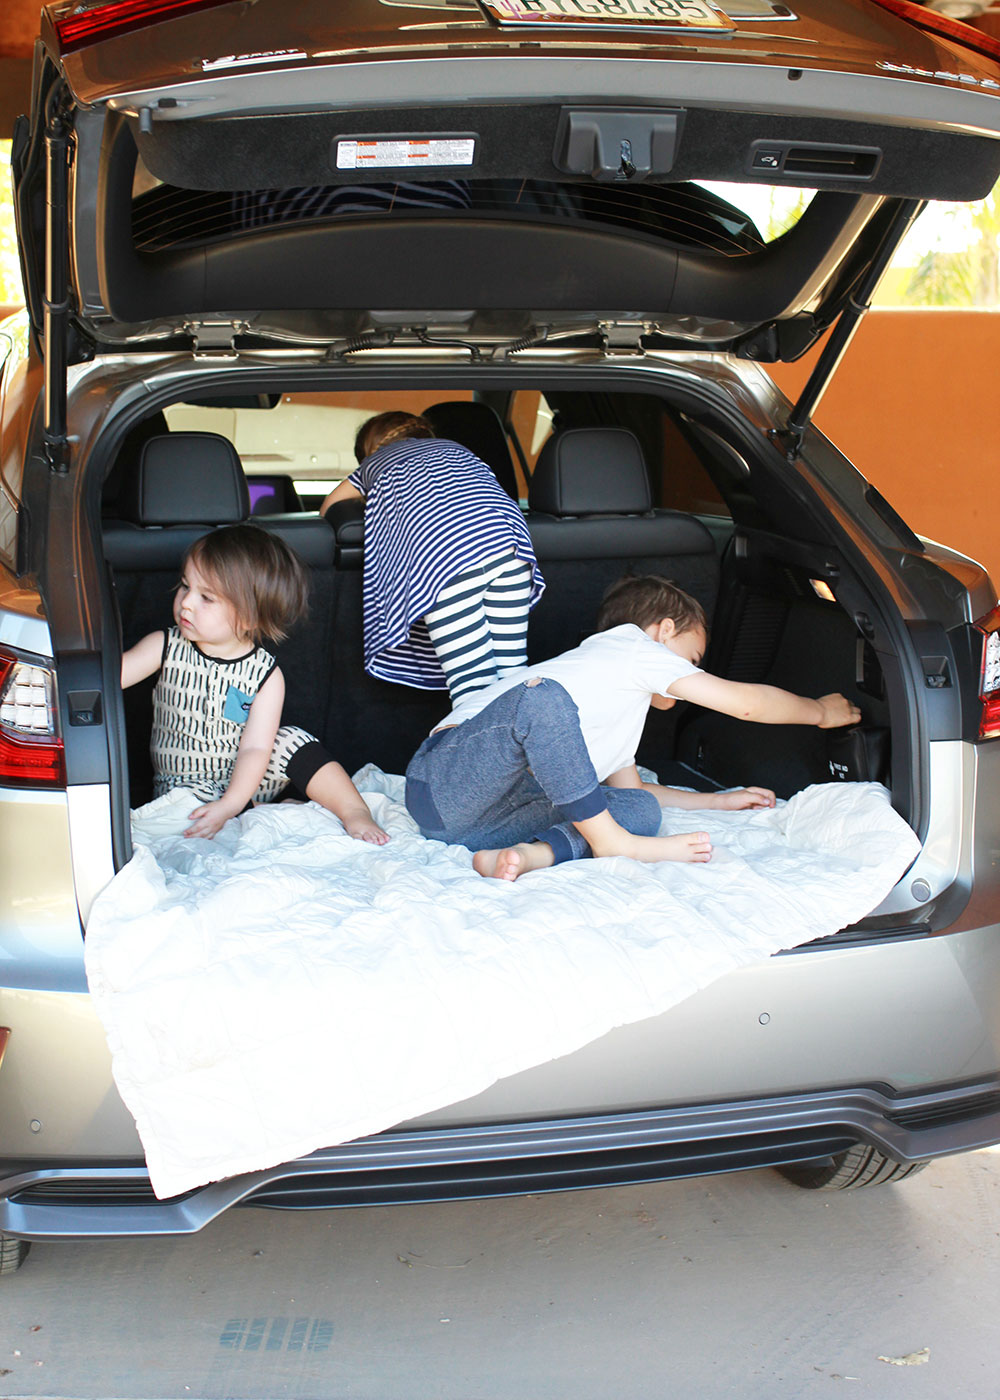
(692,846)
(366,830)
(513,861)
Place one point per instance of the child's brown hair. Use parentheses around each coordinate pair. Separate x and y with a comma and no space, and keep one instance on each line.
(392,426)
(646,599)
(258,574)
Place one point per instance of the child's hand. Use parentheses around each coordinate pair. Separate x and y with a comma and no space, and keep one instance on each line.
(837,711)
(365,828)
(207,820)
(741,798)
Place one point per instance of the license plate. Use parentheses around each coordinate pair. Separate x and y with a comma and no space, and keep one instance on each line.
(658,14)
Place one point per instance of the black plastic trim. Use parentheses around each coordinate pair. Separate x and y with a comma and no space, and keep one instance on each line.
(368,263)
(92,1202)
(268,150)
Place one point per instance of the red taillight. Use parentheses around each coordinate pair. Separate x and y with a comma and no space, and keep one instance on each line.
(955,29)
(31,750)
(4,1037)
(989,684)
(76,31)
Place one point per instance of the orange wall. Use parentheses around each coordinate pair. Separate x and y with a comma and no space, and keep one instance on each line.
(914,405)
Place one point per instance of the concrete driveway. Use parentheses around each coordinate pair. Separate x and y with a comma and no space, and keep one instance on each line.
(739,1285)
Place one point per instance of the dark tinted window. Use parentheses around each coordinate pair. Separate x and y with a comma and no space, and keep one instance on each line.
(685,215)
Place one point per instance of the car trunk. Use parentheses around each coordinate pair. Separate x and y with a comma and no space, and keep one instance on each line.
(211,214)
(791,583)
(730,520)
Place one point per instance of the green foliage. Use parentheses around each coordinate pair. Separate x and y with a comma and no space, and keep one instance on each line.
(964,276)
(786,208)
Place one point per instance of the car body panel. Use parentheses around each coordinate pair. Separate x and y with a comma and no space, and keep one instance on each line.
(269,51)
(886,1033)
(264,120)
(40,928)
(766,1018)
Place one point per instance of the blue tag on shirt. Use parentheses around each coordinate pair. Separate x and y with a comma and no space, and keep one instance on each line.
(237,705)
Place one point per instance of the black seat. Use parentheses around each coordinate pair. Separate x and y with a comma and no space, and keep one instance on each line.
(476,426)
(592,520)
(183,485)
(372,719)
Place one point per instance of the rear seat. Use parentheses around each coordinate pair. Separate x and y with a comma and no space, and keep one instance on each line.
(592,520)
(184,484)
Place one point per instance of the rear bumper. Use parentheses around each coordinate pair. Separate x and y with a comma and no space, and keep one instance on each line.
(95,1202)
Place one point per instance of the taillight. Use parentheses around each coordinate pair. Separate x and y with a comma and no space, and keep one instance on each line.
(78,30)
(943,25)
(4,1037)
(31,749)
(989,685)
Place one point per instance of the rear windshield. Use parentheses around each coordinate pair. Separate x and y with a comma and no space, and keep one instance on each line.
(712,218)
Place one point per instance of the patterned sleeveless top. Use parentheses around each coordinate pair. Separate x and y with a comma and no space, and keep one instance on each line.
(200,705)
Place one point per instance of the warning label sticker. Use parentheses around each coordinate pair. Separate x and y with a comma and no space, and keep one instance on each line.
(406,152)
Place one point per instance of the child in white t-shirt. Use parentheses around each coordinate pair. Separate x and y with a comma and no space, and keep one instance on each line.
(540,767)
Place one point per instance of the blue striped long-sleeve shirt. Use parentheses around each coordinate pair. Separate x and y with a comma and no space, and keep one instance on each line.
(433,509)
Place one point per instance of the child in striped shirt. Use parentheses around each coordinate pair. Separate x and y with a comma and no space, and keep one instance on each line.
(450,572)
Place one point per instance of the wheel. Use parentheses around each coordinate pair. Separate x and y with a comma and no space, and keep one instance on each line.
(12,1254)
(860,1165)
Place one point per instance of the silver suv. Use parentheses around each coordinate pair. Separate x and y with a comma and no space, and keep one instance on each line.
(526,217)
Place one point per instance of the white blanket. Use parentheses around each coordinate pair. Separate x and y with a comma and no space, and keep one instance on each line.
(283,988)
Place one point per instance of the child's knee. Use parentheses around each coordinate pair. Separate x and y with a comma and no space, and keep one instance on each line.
(304,763)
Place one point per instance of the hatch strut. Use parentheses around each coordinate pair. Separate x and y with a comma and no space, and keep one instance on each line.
(791,435)
(56,297)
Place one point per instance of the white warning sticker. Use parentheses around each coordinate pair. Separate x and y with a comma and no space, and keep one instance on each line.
(406,152)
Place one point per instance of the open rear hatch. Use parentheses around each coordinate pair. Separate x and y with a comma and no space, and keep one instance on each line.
(322,175)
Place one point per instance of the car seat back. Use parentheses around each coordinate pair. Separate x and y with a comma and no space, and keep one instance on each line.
(592,520)
(476,426)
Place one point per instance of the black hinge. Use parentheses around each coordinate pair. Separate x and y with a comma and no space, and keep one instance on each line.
(624,337)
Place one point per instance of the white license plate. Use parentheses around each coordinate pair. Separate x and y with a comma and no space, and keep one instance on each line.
(659,14)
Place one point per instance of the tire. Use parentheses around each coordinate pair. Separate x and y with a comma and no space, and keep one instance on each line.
(13,1253)
(860,1165)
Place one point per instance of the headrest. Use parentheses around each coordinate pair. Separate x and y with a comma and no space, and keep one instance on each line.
(189,479)
(590,471)
(476,426)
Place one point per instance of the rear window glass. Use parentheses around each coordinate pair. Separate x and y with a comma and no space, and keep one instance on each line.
(730,220)
(295,447)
